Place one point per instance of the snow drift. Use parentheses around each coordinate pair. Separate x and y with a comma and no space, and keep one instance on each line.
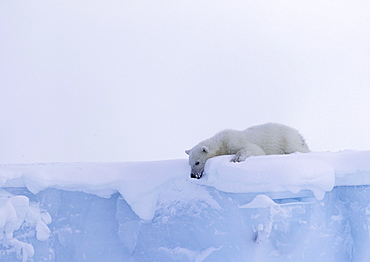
(299,207)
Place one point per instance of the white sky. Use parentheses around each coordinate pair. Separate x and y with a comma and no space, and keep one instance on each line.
(145,80)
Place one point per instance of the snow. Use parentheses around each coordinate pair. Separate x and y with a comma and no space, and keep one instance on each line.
(139,183)
(15,212)
(298,207)
(293,173)
(260,201)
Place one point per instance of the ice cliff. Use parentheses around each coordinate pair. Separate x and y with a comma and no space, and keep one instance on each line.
(299,207)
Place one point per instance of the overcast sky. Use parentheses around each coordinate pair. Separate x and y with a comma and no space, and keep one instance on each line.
(145,80)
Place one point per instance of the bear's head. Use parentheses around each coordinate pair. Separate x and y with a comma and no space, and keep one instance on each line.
(198,156)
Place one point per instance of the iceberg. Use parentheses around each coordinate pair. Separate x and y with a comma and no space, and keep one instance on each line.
(298,207)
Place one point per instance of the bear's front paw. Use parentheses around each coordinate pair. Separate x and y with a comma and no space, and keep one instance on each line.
(234,159)
(238,158)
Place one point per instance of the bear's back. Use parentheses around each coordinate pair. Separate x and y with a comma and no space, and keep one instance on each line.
(273,138)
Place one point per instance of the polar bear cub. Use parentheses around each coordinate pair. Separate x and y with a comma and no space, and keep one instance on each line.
(266,139)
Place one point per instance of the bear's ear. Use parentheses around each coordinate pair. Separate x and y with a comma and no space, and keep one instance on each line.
(205,149)
(187,152)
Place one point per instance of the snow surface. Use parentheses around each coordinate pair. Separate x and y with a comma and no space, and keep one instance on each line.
(299,207)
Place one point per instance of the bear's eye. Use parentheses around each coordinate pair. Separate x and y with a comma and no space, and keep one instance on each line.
(197,163)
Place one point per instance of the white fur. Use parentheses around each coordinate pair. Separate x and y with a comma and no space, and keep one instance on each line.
(266,139)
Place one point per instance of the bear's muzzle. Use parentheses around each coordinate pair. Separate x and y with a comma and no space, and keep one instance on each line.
(197,175)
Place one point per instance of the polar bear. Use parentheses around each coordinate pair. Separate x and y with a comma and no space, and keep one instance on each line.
(266,139)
